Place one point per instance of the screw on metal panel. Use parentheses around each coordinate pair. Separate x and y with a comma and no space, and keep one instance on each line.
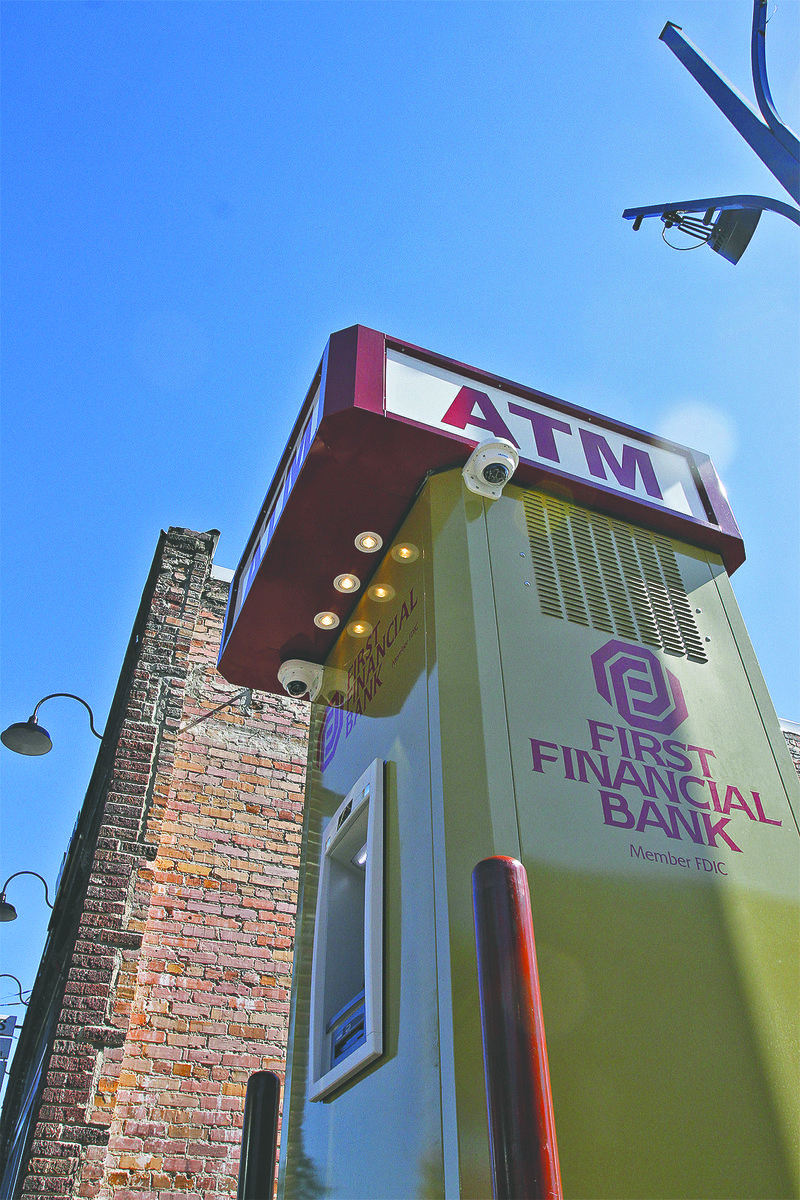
(527,583)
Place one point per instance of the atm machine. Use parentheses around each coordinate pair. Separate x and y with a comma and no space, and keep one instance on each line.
(513,618)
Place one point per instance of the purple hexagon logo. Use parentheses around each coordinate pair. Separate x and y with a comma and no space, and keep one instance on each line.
(634,682)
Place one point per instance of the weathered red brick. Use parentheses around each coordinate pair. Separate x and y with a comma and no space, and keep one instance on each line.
(189,910)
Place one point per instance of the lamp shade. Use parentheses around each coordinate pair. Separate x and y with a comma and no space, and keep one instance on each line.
(7,911)
(27,737)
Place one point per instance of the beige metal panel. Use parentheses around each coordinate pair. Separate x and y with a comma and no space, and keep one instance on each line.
(380,1133)
(473,811)
(669,989)
(762,698)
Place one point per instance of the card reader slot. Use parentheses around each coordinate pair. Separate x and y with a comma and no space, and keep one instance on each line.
(349,1030)
(336,1018)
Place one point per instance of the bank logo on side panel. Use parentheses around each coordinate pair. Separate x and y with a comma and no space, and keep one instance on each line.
(648,783)
(645,694)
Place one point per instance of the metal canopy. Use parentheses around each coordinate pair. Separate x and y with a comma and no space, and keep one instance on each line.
(352,466)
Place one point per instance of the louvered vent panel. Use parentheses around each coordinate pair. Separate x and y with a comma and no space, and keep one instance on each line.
(599,572)
(637,588)
(695,648)
(613,578)
(544,567)
(590,571)
(567,565)
(658,592)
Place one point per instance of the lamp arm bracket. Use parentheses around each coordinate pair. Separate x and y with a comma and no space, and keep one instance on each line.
(778,153)
(37,875)
(5,975)
(713,203)
(70,696)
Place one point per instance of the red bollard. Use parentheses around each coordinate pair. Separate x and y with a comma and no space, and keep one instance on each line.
(522,1129)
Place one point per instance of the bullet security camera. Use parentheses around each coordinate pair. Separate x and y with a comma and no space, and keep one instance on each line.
(298,678)
(489,467)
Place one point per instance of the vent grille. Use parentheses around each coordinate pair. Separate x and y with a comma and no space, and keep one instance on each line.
(604,574)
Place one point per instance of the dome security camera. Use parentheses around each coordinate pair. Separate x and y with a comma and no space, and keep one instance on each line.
(298,678)
(489,467)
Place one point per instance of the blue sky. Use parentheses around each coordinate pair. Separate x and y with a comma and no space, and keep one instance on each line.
(196,195)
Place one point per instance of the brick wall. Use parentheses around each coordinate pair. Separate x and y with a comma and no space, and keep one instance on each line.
(178,985)
(792,734)
(210,1000)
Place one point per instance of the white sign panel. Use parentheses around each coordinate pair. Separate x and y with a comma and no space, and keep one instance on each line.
(570,445)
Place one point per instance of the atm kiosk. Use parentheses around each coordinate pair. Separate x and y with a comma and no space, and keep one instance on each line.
(514,621)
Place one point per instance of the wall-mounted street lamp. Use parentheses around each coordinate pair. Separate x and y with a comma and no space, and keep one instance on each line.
(29,737)
(5,975)
(729,232)
(7,911)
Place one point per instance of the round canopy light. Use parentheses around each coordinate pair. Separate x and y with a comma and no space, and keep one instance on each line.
(368,542)
(347,583)
(326,620)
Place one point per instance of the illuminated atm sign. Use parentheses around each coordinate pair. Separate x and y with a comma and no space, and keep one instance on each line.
(560,441)
(379,417)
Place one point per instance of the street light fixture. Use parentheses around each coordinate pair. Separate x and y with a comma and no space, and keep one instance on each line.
(765,133)
(29,737)
(7,911)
